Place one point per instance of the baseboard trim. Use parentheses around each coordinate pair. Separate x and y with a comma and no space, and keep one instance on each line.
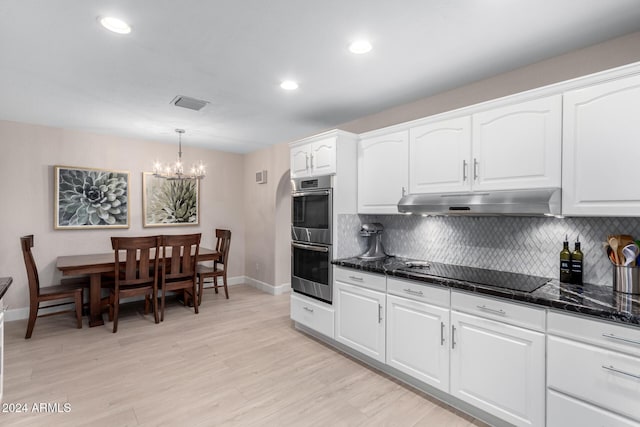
(23,313)
(266,287)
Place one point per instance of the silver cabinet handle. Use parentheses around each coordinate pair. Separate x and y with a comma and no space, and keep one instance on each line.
(441,333)
(310,193)
(412,292)
(310,310)
(359,279)
(613,337)
(491,310)
(475,169)
(612,369)
(453,337)
(306,161)
(464,170)
(379,313)
(310,247)
(404,191)
(311,160)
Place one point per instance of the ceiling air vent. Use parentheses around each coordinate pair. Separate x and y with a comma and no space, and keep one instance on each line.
(190,103)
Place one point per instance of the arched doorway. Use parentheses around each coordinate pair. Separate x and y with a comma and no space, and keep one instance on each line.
(283,233)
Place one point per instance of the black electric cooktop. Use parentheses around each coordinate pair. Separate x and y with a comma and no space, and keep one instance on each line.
(499,279)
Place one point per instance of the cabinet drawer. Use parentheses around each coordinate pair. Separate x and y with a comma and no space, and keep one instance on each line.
(605,334)
(602,377)
(419,292)
(563,411)
(312,314)
(497,309)
(377,282)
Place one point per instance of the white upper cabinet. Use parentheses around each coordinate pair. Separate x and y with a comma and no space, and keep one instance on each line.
(382,172)
(602,146)
(518,146)
(314,158)
(439,156)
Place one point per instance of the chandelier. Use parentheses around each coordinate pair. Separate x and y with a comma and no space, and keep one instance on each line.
(176,170)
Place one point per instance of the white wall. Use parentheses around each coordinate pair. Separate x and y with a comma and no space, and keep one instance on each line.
(29,153)
(265,214)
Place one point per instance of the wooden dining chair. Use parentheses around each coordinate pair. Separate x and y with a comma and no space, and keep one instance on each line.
(180,258)
(136,274)
(71,291)
(219,269)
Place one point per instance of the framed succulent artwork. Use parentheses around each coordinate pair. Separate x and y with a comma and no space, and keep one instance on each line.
(87,198)
(169,202)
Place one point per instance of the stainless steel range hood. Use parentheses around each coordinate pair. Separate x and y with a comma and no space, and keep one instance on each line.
(541,201)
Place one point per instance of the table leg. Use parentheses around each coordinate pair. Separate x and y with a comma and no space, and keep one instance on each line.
(95,311)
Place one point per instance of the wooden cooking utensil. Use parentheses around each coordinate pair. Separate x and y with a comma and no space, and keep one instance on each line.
(613,244)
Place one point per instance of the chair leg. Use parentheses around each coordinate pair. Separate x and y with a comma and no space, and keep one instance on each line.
(162,305)
(33,315)
(215,283)
(201,288)
(224,282)
(155,307)
(116,307)
(79,308)
(195,297)
(111,304)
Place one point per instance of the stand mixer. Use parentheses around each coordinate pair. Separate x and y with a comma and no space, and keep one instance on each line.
(375,251)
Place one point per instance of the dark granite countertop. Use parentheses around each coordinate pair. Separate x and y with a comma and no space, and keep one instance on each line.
(591,300)
(5,282)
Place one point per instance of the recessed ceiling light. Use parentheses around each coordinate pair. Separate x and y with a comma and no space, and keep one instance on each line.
(114,24)
(289,85)
(360,46)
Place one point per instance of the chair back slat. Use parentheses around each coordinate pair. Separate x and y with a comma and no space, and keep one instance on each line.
(30,265)
(136,269)
(184,253)
(223,244)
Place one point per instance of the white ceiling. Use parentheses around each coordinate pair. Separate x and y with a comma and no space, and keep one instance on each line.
(59,67)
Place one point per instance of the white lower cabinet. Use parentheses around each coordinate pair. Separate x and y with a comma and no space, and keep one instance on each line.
(597,375)
(417,340)
(498,368)
(312,314)
(360,319)
(563,411)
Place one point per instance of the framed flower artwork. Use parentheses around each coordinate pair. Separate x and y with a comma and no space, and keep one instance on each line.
(169,202)
(86,198)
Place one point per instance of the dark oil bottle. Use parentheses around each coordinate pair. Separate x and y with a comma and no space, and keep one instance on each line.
(576,264)
(565,262)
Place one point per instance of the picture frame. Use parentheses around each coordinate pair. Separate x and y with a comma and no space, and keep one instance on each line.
(170,202)
(90,198)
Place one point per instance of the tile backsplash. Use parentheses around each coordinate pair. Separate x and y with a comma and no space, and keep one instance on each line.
(529,245)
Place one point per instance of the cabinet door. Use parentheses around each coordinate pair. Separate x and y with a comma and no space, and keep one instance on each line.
(360,319)
(439,156)
(417,342)
(601,146)
(518,146)
(323,157)
(499,368)
(300,161)
(563,411)
(382,172)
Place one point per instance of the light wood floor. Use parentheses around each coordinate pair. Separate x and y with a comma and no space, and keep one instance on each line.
(238,363)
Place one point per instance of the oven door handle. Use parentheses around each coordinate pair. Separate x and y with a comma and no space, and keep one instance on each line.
(310,247)
(310,193)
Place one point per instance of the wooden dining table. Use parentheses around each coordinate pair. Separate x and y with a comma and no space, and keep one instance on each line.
(96,264)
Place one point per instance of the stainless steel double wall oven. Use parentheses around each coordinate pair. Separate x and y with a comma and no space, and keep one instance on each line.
(311,234)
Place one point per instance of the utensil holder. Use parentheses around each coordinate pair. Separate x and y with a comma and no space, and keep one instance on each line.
(626,280)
